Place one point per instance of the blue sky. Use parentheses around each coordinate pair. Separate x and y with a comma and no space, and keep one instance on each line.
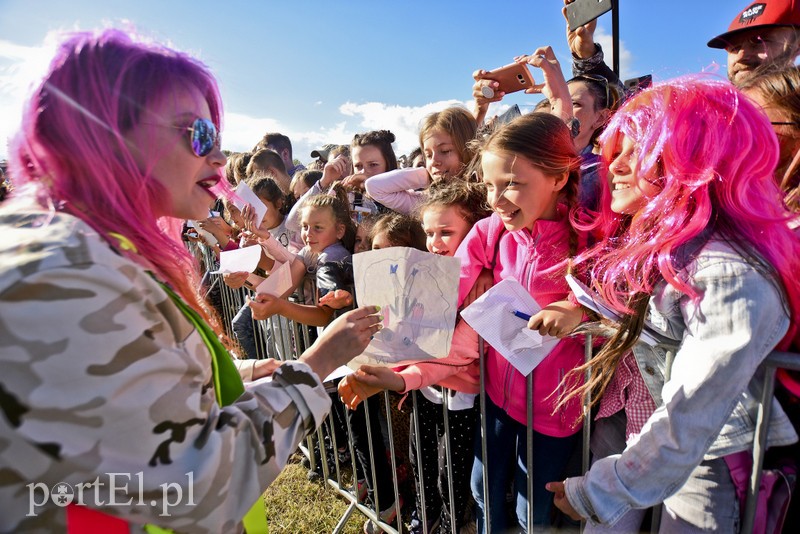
(322,71)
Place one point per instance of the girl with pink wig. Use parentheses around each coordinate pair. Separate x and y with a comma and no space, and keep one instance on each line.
(696,243)
(111,364)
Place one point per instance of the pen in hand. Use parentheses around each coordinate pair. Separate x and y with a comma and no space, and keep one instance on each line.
(521,315)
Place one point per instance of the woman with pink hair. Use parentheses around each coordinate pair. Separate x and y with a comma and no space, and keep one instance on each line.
(696,249)
(120,405)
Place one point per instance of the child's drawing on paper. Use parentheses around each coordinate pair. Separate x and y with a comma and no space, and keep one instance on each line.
(418,304)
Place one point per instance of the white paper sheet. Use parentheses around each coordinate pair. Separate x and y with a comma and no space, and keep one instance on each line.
(417,292)
(492,316)
(339,372)
(592,300)
(278,282)
(239,260)
(247,196)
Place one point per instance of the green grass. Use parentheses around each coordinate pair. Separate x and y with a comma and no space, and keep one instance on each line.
(297,506)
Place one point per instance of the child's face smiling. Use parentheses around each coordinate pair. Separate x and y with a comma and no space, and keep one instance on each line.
(518,191)
(444,228)
(319,228)
(630,191)
(441,157)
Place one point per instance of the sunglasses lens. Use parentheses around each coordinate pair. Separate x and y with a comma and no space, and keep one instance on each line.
(204,136)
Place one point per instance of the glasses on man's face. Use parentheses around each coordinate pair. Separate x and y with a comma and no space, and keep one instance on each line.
(602,81)
(791,123)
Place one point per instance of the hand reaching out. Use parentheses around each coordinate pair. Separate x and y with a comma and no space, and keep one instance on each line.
(337,299)
(367,381)
(264,306)
(558,319)
(343,339)
(251,224)
(265,367)
(561,501)
(235,280)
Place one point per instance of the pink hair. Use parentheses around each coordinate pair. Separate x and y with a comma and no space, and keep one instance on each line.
(712,154)
(72,152)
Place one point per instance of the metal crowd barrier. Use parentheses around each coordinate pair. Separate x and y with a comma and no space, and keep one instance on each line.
(290,338)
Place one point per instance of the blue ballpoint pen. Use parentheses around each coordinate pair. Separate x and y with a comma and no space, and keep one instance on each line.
(522,315)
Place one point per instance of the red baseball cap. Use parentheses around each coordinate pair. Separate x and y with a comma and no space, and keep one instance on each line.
(765,13)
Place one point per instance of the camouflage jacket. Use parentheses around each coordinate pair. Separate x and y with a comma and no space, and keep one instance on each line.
(107,396)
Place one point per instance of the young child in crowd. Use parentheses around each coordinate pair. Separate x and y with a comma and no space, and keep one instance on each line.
(303,180)
(685,210)
(364,232)
(278,204)
(448,214)
(531,171)
(444,138)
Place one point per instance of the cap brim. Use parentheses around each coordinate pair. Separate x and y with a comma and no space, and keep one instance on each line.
(315,154)
(722,41)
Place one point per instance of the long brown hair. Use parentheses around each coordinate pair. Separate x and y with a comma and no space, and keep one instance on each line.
(545,141)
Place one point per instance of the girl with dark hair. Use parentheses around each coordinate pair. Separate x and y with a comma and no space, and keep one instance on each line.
(444,139)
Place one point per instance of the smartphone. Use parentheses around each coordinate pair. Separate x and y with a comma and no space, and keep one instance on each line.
(509,115)
(512,78)
(582,12)
(637,84)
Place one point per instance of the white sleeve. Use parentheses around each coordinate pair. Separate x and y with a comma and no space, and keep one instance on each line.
(397,189)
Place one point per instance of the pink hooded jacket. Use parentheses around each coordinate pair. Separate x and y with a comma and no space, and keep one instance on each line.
(529,258)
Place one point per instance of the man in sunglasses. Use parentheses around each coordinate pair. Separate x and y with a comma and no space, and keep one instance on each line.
(763,33)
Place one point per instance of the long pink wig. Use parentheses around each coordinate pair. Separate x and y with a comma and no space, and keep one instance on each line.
(72,153)
(713,155)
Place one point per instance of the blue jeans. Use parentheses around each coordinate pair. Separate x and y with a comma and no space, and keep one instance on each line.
(242,324)
(507,457)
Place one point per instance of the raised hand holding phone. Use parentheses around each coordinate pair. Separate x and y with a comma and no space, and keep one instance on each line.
(581,39)
(554,86)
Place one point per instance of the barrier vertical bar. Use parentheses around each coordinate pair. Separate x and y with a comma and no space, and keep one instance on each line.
(484,453)
(420,467)
(449,456)
(529,448)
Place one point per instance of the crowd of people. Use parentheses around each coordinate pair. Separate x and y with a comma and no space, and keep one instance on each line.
(677,203)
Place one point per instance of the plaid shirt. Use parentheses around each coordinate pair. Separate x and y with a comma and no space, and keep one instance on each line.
(628,391)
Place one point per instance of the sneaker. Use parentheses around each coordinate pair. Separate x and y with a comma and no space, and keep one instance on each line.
(388,516)
(416,525)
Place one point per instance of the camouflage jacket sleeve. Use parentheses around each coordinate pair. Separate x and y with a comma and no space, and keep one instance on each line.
(107,398)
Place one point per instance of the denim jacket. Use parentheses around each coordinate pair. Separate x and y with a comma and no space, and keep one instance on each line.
(708,403)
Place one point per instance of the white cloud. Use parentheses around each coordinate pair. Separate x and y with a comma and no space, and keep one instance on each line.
(626,57)
(21,68)
(403,121)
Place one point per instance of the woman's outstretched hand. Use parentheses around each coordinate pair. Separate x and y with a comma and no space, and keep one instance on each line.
(343,339)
